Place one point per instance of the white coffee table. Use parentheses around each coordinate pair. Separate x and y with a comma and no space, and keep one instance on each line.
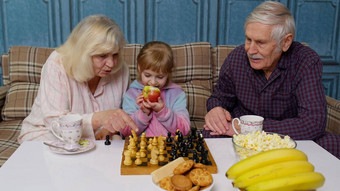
(34,167)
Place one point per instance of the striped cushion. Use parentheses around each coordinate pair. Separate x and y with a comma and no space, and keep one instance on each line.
(333,116)
(9,133)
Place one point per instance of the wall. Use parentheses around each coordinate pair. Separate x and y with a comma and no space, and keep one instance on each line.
(47,23)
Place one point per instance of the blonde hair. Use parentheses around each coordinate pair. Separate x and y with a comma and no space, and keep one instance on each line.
(94,35)
(273,13)
(156,56)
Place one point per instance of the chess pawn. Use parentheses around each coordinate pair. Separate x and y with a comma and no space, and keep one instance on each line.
(150,144)
(161,156)
(127,160)
(138,161)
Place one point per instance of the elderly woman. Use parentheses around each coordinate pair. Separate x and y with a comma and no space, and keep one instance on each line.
(86,76)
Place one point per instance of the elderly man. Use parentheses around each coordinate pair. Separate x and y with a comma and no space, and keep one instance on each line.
(275,77)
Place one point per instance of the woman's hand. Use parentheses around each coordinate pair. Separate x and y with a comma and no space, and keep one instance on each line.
(113,120)
(101,134)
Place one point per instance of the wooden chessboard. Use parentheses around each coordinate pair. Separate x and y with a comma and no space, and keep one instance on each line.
(146,168)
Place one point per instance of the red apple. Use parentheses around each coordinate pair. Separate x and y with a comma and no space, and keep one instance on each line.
(151,93)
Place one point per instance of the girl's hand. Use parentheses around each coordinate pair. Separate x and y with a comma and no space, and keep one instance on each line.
(156,106)
(141,103)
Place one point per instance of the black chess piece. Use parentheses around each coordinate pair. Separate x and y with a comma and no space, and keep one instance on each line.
(204,157)
(195,157)
(180,137)
(193,132)
(107,142)
(169,139)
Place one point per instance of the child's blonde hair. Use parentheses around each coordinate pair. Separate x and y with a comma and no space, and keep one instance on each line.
(156,56)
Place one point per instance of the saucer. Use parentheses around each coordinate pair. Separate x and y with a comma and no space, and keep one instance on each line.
(85,146)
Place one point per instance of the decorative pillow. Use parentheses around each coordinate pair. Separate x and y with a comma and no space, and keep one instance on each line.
(5,69)
(19,100)
(219,54)
(26,63)
(24,77)
(196,100)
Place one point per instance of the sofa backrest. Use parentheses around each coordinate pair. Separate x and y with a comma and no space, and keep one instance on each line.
(194,72)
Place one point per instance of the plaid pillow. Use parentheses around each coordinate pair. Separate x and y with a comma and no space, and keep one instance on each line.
(5,69)
(19,101)
(24,76)
(130,53)
(26,63)
(219,54)
(333,116)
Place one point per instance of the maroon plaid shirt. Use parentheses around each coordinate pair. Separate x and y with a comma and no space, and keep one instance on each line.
(292,100)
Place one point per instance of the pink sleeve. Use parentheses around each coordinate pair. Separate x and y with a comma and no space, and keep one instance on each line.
(172,121)
(142,121)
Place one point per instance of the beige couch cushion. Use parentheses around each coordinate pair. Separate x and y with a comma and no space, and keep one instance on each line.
(24,76)
(219,54)
(333,116)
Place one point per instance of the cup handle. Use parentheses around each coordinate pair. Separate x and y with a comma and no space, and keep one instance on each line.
(232,124)
(56,124)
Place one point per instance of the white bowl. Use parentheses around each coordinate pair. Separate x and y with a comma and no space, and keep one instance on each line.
(157,188)
(243,152)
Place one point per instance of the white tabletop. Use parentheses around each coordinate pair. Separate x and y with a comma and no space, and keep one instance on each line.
(34,167)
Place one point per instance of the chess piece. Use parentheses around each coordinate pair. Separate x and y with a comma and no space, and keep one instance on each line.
(161,156)
(154,143)
(132,147)
(143,137)
(154,156)
(142,149)
(180,137)
(150,144)
(134,135)
(169,139)
(127,155)
(107,142)
(138,161)
(161,142)
(193,132)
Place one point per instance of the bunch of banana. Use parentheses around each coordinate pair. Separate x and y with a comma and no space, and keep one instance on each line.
(278,169)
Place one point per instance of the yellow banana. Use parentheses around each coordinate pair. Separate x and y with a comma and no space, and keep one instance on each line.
(302,181)
(263,159)
(272,171)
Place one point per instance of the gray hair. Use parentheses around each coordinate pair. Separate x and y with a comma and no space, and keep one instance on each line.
(273,13)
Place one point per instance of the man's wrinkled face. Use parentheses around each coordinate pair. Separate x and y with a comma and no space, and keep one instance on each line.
(261,49)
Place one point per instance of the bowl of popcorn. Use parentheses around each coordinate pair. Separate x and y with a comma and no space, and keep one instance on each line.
(246,145)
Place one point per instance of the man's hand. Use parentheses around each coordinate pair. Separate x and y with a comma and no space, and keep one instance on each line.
(218,120)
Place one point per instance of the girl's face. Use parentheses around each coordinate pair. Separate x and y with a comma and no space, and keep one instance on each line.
(104,63)
(151,78)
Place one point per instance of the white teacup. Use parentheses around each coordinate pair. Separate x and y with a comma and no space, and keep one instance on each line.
(248,123)
(70,129)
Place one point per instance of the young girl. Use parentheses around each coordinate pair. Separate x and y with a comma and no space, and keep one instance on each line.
(169,113)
